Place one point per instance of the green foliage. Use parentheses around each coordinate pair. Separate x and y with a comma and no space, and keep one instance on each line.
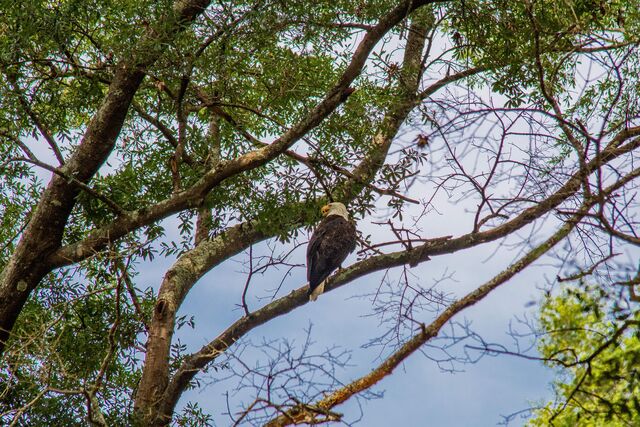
(69,331)
(274,58)
(593,341)
(242,68)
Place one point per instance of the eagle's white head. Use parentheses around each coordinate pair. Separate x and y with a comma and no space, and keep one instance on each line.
(335,208)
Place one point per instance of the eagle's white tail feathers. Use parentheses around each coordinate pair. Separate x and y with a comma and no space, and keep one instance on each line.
(316,292)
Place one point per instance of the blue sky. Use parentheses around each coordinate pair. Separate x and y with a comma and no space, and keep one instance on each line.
(419,393)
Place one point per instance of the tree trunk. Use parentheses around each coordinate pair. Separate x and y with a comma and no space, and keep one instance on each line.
(44,232)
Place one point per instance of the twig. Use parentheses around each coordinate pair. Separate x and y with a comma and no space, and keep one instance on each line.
(246,283)
(164,130)
(585,273)
(34,117)
(425,333)
(114,206)
(19,143)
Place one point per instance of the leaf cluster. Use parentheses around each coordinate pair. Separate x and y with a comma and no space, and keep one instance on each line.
(594,344)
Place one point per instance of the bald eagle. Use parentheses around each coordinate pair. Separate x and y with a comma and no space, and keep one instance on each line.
(331,242)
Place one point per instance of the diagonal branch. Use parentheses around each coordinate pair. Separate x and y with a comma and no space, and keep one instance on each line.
(58,171)
(164,130)
(16,140)
(433,88)
(182,276)
(44,131)
(302,414)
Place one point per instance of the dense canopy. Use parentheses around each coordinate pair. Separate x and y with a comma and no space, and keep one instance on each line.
(188,135)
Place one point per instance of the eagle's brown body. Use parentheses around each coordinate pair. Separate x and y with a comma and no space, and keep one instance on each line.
(332,241)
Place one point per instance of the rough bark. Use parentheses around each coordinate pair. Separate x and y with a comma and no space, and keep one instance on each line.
(346,190)
(175,286)
(410,74)
(44,232)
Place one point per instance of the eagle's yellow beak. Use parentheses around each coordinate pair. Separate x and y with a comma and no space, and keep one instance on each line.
(324,210)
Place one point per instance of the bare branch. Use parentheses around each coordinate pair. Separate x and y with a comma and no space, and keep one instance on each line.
(439,246)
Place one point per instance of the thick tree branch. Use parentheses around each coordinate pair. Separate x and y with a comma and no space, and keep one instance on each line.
(307,413)
(359,178)
(178,280)
(522,179)
(44,232)
(410,75)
